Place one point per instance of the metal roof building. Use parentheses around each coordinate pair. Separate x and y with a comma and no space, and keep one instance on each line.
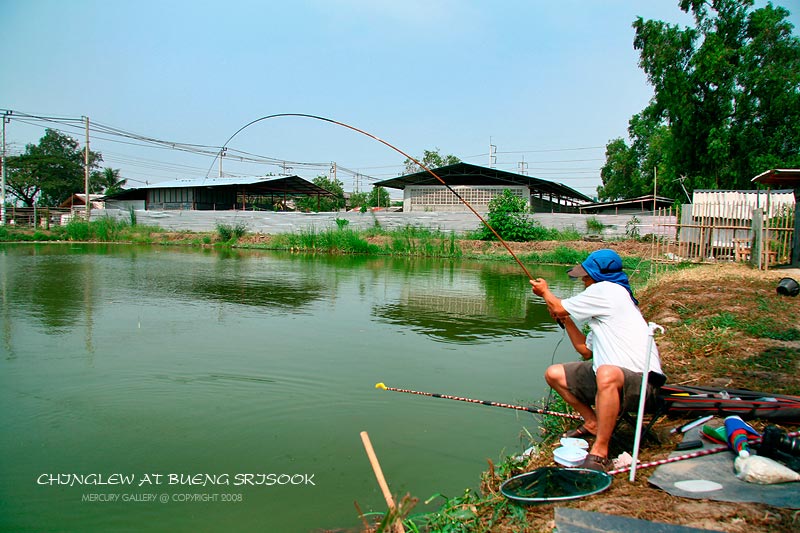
(640,204)
(789,178)
(217,193)
(478,185)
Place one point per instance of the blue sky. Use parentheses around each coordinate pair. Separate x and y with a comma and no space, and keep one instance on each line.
(548,83)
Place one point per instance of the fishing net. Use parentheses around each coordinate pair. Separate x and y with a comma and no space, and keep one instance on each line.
(550,484)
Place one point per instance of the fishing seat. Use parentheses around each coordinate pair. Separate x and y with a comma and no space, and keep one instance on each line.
(655,409)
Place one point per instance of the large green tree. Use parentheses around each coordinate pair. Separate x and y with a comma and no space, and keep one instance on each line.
(49,172)
(431,159)
(726,103)
(324,203)
(378,197)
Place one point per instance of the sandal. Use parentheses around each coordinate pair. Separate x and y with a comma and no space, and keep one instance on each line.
(596,462)
(579,432)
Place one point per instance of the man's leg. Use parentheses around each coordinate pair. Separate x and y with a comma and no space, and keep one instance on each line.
(610,380)
(557,379)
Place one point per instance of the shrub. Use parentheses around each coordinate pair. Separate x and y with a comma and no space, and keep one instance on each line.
(78,230)
(632,228)
(106,228)
(227,232)
(507,215)
(593,225)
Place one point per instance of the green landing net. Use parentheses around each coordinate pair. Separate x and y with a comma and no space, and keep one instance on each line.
(550,484)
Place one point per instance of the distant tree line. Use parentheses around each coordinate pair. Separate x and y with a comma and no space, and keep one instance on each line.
(726,103)
(49,172)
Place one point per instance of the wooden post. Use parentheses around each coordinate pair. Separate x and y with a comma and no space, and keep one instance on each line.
(758,238)
(376,467)
(795,253)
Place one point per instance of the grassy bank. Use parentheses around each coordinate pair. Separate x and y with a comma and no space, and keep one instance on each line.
(406,241)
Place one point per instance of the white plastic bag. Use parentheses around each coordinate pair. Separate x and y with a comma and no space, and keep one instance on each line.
(763,470)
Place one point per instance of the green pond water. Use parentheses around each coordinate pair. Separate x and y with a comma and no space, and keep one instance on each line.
(200,390)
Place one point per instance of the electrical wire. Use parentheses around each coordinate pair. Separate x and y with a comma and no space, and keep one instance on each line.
(109,133)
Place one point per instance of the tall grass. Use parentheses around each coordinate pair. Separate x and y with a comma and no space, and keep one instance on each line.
(407,241)
(231,233)
(561,255)
(108,229)
(417,240)
(12,234)
(341,240)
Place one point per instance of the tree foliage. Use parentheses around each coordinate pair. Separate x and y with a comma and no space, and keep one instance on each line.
(108,181)
(508,216)
(51,171)
(324,203)
(431,159)
(726,102)
(378,197)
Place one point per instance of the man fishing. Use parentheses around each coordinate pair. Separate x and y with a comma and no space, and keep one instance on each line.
(614,351)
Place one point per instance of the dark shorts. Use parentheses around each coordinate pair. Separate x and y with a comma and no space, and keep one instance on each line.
(582,382)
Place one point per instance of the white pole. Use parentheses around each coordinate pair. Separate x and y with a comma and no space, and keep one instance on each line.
(3,196)
(642,397)
(86,171)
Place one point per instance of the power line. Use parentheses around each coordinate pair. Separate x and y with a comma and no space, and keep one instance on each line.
(108,133)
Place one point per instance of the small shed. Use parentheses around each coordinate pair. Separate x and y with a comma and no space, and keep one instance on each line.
(78,201)
(790,179)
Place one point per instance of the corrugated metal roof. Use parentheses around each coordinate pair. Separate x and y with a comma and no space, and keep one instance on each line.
(474,175)
(739,204)
(786,177)
(647,200)
(208,182)
(291,185)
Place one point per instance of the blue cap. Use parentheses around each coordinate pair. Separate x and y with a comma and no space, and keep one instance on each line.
(604,265)
(599,265)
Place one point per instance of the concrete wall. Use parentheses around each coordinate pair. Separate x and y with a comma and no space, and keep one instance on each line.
(277,222)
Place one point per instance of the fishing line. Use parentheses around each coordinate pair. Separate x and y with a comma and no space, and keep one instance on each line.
(371,136)
(552,361)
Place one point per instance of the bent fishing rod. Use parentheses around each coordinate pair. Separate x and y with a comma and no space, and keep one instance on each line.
(534,410)
(385,143)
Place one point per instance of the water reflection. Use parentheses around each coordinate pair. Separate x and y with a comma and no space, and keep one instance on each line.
(475,304)
(173,388)
(57,290)
(451,301)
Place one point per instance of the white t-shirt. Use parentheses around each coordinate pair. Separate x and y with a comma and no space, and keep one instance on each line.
(619,334)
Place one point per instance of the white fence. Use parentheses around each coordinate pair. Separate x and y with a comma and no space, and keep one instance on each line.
(269,222)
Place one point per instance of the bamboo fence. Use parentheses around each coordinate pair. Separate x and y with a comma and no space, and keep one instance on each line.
(710,233)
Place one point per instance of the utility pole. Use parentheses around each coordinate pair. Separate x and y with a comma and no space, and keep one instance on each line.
(86,171)
(221,155)
(492,152)
(333,171)
(6,119)
(523,167)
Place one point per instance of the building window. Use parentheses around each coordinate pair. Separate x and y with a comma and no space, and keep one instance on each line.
(441,195)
